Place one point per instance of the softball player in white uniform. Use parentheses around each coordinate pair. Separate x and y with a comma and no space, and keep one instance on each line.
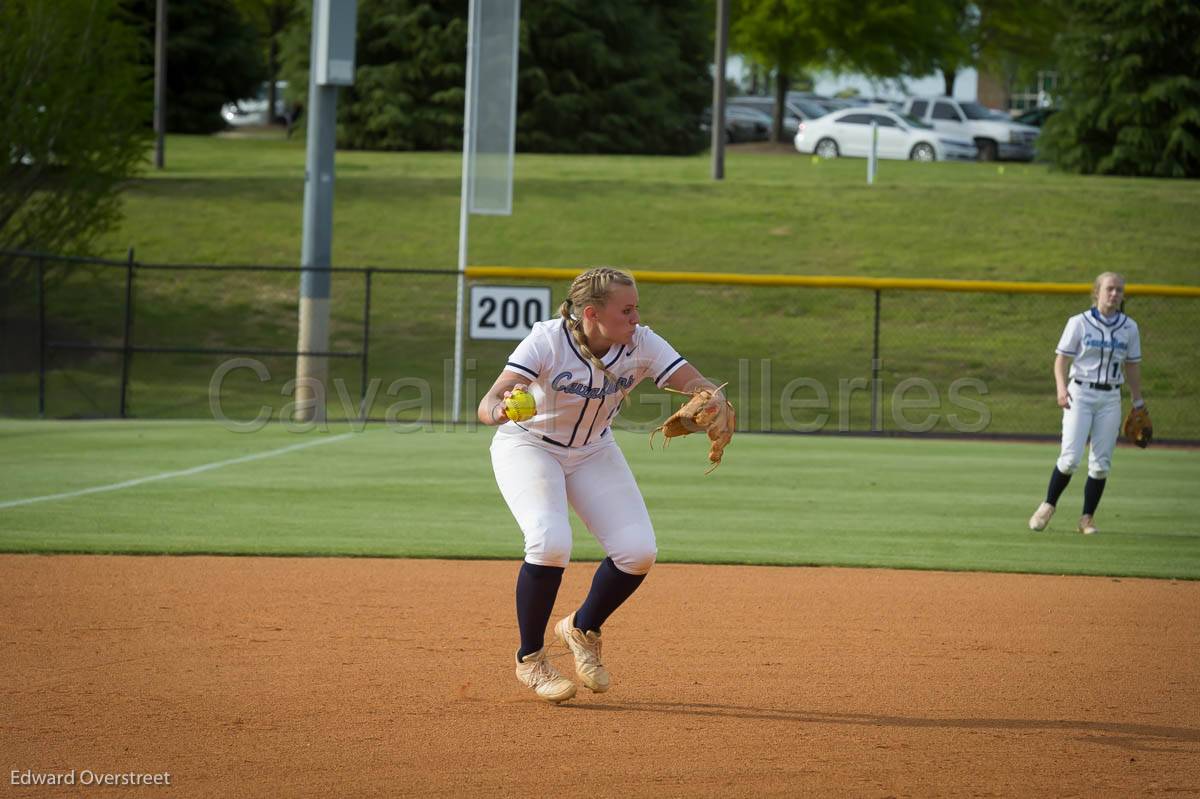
(579,368)
(1104,350)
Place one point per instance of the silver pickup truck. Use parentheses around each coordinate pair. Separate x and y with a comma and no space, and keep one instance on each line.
(995,134)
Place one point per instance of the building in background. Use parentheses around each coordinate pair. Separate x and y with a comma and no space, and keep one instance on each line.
(997,92)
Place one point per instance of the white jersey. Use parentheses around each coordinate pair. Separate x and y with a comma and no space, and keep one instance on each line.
(1099,347)
(576,403)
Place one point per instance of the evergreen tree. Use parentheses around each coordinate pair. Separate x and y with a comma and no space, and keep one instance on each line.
(408,90)
(410,60)
(213,57)
(1129,78)
(617,77)
(626,76)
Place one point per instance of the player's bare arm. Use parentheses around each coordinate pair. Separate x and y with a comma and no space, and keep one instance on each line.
(687,379)
(1061,364)
(1133,377)
(491,407)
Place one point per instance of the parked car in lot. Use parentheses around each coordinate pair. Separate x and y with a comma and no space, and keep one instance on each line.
(994,133)
(253,110)
(795,111)
(838,103)
(741,124)
(810,108)
(848,133)
(890,105)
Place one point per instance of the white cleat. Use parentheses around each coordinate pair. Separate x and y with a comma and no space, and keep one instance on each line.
(1041,517)
(536,672)
(586,649)
(1086,525)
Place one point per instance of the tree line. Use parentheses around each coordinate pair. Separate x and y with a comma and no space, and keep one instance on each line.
(596,76)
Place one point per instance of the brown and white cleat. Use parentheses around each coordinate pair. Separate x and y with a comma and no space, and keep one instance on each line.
(1087,525)
(585,646)
(1041,517)
(536,672)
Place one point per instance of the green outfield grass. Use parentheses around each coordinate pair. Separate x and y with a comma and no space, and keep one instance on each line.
(796,500)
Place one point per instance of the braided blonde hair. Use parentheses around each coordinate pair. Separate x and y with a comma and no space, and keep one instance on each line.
(593,287)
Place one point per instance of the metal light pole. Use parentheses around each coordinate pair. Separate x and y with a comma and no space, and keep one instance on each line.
(160,82)
(333,33)
(718,103)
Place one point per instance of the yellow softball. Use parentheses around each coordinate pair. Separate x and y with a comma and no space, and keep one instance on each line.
(520,406)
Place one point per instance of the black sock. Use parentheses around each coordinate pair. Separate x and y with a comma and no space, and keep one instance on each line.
(537,587)
(1092,491)
(610,588)
(1058,484)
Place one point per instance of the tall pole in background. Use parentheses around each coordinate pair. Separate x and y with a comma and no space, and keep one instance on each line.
(872,163)
(464,206)
(718,103)
(489,138)
(333,32)
(316,254)
(160,82)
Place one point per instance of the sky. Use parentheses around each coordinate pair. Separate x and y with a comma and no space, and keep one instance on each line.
(829,84)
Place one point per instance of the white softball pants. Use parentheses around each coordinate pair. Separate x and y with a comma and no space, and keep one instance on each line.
(1092,413)
(539,480)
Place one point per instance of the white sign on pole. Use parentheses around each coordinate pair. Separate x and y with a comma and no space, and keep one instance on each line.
(335,23)
(493,97)
(507,313)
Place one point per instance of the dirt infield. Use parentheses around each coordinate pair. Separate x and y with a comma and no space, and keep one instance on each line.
(336,677)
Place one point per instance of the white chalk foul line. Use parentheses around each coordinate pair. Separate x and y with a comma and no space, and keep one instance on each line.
(13,503)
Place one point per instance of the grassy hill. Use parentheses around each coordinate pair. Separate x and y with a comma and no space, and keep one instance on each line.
(238,201)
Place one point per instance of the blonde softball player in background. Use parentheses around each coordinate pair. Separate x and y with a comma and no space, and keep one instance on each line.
(1104,350)
(578,369)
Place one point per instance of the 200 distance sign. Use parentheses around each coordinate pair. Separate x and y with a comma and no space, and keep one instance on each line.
(507,312)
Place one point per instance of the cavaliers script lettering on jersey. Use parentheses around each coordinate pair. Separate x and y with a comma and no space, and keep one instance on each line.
(1100,347)
(576,403)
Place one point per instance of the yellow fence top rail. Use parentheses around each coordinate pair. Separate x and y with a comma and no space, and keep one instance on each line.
(831,282)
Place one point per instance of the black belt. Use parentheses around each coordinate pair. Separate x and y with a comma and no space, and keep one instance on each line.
(549,440)
(1099,386)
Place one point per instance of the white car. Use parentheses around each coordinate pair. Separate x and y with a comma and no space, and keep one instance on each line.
(995,133)
(253,110)
(848,133)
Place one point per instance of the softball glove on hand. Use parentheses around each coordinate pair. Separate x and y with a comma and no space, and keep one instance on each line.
(701,412)
(1138,428)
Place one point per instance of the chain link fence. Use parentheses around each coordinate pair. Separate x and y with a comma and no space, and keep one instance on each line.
(88,338)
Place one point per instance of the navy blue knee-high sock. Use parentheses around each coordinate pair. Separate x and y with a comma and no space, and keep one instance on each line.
(1058,484)
(610,588)
(1092,490)
(537,587)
